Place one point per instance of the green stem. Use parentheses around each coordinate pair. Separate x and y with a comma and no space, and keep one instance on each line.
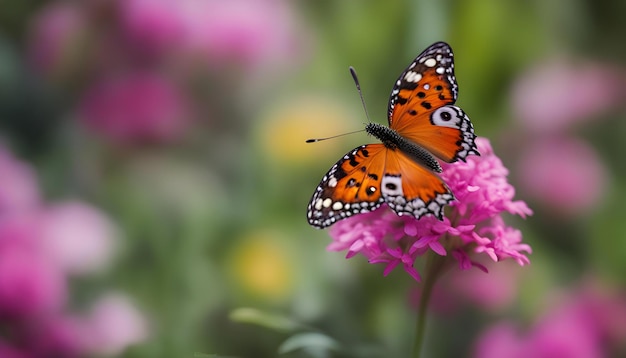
(434,264)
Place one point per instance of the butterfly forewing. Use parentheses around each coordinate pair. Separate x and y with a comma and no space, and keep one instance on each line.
(421,106)
(351,186)
(427,83)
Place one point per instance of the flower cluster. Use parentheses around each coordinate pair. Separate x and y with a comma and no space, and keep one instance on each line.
(43,246)
(589,321)
(472,224)
(551,101)
(135,58)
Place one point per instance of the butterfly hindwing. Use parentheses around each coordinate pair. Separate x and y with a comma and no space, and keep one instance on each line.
(351,186)
(371,175)
(411,189)
(449,134)
(421,106)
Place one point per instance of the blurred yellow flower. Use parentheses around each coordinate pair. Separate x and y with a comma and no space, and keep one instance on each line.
(261,265)
(285,128)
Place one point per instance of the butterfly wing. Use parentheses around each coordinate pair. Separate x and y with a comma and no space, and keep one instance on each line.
(421,106)
(351,186)
(371,175)
(411,189)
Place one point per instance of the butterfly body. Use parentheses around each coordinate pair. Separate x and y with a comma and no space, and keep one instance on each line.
(424,126)
(392,140)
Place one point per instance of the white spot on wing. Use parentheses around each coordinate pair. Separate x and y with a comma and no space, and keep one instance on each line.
(431,62)
(318,204)
(413,76)
(391,186)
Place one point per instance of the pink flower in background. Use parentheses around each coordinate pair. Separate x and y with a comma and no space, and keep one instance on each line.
(565,174)
(246,31)
(154,26)
(501,340)
(52,35)
(474,225)
(494,292)
(39,246)
(557,94)
(30,284)
(19,191)
(139,107)
(586,323)
(77,237)
(114,324)
(9,351)
(57,335)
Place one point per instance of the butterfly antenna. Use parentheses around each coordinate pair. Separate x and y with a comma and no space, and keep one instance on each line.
(358,88)
(313,140)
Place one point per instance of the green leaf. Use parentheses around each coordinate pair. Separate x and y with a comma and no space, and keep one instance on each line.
(264,319)
(316,344)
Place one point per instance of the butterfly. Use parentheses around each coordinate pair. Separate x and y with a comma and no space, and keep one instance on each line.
(402,171)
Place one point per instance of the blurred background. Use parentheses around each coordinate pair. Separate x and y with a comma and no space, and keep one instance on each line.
(154,176)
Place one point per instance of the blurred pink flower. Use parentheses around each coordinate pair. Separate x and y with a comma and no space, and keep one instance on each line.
(114,324)
(77,237)
(246,31)
(139,107)
(574,326)
(474,225)
(563,173)
(153,25)
(52,36)
(500,340)
(38,247)
(30,284)
(494,292)
(557,94)
(58,336)
(9,351)
(19,191)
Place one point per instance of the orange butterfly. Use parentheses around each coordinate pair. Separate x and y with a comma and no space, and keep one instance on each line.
(401,171)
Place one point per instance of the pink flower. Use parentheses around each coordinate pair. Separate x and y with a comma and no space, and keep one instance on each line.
(114,324)
(140,107)
(221,32)
(585,323)
(493,292)
(77,237)
(563,173)
(19,191)
(501,340)
(153,25)
(59,336)
(53,34)
(9,351)
(30,284)
(38,247)
(556,94)
(474,225)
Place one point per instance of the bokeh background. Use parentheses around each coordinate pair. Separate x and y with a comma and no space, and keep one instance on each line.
(154,176)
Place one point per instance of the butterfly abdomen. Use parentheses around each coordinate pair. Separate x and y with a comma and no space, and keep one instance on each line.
(394,141)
